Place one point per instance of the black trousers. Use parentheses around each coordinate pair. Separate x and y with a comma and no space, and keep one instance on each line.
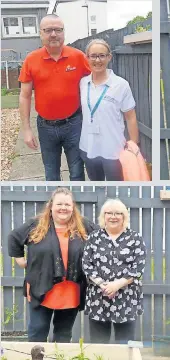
(100,331)
(99,169)
(40,319)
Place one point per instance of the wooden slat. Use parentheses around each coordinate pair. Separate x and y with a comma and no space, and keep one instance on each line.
(146,233)
(111,192)
(167,268)
(134,213)
(42,196)
(29,206)
(165,66)
(6,221)
(148,288)
(18,296)
(158,264)
(134,224)
(163,150)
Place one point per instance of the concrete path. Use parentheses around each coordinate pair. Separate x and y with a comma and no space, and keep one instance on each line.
(27,163)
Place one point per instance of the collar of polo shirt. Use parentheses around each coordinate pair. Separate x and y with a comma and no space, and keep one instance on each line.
(64,53)
(108,82)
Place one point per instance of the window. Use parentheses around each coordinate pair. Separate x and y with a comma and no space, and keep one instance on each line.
(11,26)
(93,18)
(93,31)
(29,25)
(19,26)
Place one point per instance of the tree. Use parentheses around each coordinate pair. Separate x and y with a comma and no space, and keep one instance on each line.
(149,14)
(136,20)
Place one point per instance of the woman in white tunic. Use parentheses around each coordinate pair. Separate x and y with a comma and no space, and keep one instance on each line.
(106,101)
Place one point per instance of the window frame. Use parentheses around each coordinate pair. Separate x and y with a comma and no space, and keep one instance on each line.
(21,34)
(95,33)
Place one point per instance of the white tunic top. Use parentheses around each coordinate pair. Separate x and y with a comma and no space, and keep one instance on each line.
(105,135)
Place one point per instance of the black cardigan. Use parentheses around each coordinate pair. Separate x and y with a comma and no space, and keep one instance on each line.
(44,260)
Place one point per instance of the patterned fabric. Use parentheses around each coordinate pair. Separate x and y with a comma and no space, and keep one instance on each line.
(110,260)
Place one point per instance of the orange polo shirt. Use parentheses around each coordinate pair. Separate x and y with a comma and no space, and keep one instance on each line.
(56,83)
(64,295)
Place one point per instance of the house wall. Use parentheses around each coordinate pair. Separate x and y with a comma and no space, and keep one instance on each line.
(75,18)
(21,44)
(75,25)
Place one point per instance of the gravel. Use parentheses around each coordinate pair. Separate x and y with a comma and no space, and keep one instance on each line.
(10,125)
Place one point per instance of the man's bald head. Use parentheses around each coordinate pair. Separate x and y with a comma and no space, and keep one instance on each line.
(52,32)
(49,17)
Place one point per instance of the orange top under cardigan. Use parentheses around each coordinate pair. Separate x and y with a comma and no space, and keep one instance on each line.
(66,294)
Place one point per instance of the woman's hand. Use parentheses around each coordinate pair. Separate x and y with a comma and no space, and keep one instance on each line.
(103,287)
(21,262)
(111,288)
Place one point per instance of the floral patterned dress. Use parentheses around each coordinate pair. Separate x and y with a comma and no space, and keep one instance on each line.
(110,260)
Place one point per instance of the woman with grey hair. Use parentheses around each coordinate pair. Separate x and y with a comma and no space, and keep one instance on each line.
(106,101)
(113,262)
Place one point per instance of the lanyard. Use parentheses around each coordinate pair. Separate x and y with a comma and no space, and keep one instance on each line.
(92,111)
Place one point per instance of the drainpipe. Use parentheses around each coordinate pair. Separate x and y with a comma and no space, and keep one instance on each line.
(52,7)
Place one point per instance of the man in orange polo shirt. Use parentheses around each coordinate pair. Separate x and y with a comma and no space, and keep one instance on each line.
(54,71)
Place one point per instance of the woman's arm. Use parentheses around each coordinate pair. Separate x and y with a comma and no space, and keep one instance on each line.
(89,225)
(88,263)
(134,273)
(18,238)
(132,125)
(138,266)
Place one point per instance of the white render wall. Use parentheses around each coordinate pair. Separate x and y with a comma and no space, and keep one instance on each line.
(75,18)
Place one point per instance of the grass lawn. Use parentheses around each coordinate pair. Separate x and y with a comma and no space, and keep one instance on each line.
(10,102)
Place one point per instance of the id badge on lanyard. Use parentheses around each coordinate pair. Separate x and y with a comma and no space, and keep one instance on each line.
(93,126)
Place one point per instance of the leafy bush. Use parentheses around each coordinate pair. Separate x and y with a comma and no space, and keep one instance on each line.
(4,92)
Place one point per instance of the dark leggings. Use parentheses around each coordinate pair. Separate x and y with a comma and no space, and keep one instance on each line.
(100,331)
(99,169)
(40,319)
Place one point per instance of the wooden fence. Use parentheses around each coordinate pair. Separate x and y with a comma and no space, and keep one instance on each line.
(148,215)
(133,63)
(165,93)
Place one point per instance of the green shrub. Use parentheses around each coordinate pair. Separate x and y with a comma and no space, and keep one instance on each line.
(4,92)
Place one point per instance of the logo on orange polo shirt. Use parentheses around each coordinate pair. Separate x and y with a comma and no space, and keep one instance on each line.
(69,68)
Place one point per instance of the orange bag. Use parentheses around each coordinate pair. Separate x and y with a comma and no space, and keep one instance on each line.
(133,164)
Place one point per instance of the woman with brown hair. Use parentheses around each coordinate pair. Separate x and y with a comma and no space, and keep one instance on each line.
(54,281)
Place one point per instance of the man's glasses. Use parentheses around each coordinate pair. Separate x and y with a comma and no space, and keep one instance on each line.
(49,31)
(100,56)
(111,213)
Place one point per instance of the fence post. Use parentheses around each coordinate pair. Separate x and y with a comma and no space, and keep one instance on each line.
(163,10)
(114,62)
(7,75)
